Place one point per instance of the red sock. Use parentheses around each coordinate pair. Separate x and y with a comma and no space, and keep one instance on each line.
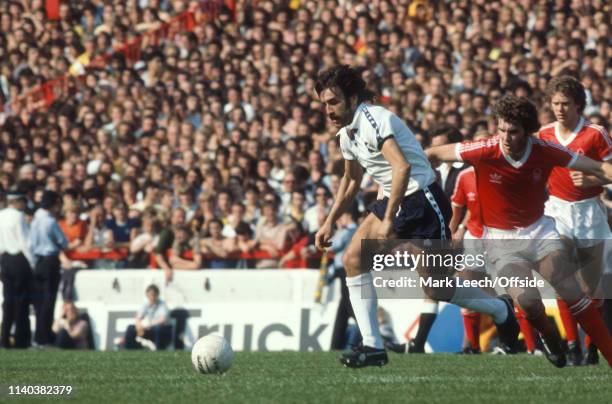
(590,320)
(526,329)
(599,306)
(471,323)
(569,322)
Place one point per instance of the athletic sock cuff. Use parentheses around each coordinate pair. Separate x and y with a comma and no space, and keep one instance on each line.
(579,306)
(359,280)
(430,307)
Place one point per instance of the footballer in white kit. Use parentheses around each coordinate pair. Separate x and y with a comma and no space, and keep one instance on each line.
(375,141)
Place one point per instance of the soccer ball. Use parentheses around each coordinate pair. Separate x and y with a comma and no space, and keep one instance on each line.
(212,354)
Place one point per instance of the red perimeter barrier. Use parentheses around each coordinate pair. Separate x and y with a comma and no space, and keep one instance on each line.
(122,253)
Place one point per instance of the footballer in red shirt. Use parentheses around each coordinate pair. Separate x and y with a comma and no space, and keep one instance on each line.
(512,170)
(468,227)
(574,200)
(466,196)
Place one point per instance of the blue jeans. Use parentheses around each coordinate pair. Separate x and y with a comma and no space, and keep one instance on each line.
(161,335)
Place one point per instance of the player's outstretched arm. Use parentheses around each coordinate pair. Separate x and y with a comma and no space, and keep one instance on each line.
(349,187)
(447,152)
(602,170)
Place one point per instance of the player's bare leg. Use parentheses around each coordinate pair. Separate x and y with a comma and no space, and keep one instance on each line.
(364,301)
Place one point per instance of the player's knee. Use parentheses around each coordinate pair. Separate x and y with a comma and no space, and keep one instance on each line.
(350,260)
(531,306)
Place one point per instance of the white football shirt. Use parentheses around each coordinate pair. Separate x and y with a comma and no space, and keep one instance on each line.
(363,138)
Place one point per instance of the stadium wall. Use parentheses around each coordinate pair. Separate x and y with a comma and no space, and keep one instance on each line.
(258,310)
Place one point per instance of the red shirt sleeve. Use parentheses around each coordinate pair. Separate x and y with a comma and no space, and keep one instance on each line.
(604,146)
(473,152)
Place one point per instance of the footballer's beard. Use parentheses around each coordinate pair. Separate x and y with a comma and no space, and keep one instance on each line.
(340,122)
(344,120)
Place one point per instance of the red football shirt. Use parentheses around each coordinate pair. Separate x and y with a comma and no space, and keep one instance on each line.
(588,140)
(512,193)
(466,194)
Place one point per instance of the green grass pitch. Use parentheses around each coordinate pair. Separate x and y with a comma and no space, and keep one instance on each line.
(292,377)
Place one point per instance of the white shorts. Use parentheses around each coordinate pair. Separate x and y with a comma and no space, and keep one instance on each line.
(585,222)
(469,236)
(473,245)
(524,245)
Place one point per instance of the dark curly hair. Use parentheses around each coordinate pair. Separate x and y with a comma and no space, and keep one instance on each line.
(569,87)
(517,111)
(345,78)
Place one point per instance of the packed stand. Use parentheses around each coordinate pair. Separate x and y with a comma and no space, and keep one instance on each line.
(213,151)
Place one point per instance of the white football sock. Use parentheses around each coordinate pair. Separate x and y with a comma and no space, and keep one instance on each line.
(365,308)
(430,306)
(478,300)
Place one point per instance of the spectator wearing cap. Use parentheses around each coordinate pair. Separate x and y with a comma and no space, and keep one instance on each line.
(47,241)
(15,271)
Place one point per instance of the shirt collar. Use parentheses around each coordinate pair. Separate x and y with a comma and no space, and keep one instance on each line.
(518,163)
(354,123)
(570,139)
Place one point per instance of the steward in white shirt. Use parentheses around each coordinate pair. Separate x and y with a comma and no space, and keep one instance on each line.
(15,271)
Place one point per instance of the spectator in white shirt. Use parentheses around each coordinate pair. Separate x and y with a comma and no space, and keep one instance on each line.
(151,324)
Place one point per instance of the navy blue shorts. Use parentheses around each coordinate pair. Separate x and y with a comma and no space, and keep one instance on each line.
(424,214)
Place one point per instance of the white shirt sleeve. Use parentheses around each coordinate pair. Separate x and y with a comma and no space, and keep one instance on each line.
(388,126)
(345,146)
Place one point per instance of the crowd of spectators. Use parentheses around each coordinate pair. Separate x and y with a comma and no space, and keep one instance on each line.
(214,145)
